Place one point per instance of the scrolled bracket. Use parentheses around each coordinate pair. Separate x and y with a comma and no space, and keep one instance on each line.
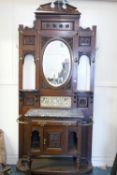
(75,60)
(21,121)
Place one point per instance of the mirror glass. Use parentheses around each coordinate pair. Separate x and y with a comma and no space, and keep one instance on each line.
(84,74)
(56,63)
(29,72)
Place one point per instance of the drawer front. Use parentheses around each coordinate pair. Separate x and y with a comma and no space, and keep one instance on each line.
(53,122)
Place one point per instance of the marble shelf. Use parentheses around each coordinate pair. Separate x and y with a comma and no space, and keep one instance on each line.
(57,113)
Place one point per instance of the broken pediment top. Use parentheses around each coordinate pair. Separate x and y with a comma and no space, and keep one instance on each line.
(57,9)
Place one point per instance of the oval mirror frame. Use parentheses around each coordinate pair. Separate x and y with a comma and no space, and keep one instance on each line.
(56,63)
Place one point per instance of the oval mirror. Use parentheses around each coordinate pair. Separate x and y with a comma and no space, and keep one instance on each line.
(56,63)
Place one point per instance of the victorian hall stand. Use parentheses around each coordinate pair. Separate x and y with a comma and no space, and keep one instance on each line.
(55,123)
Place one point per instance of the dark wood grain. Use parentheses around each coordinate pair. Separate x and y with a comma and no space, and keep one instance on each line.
(42,138)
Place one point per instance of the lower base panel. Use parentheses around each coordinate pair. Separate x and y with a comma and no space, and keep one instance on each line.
(54,166)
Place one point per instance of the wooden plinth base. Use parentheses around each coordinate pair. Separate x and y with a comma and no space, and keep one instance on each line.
(58,166)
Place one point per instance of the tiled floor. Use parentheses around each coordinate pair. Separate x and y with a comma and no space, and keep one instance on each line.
(99,171)
(96,171)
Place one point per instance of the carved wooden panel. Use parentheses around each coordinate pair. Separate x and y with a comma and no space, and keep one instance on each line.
(55,101)
(29,40)
(46,25)
(84,41)
(54,140)
(83,102)
(29,98)
(28,101)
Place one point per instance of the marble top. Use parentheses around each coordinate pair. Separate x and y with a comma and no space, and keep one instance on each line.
(58,113)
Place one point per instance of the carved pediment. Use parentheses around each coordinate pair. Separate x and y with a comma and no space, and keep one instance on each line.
(57,9)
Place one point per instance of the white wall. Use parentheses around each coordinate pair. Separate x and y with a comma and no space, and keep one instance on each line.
(102,14)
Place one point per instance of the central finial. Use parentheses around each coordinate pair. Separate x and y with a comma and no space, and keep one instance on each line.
(59,3)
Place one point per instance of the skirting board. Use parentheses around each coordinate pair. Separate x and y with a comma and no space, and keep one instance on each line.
(12,159)
(102,161)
